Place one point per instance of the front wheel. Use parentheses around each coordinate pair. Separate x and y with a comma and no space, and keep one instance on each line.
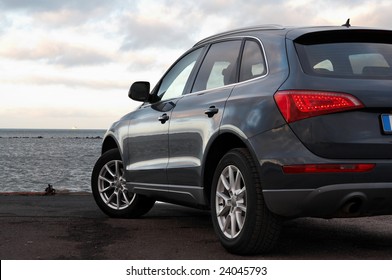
(240,217)
(109,189)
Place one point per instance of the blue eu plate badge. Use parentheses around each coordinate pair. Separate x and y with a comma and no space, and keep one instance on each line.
(386,121)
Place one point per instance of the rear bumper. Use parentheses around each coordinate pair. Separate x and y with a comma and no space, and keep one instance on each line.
(307,194)
(338,200)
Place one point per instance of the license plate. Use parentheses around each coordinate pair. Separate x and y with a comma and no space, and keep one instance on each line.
(386,121)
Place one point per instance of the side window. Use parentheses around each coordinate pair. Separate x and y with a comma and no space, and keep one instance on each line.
(219,66)
(253,63)
(173,84)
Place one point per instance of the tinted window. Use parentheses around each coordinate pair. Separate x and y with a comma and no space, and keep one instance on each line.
(361,63)
(352,60)
(252,64)
(174,82)
(219,67)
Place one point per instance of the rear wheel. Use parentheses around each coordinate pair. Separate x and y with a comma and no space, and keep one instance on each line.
(240,217)
(109,189)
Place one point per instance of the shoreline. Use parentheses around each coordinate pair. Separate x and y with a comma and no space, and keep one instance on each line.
(61,192)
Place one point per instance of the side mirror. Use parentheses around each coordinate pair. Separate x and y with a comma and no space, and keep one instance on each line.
(139,91)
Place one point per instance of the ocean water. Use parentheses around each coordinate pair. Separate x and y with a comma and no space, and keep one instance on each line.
(30,159)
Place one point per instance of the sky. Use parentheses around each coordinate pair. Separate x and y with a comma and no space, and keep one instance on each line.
(70,63)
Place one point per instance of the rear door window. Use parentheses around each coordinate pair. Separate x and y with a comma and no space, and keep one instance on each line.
(219,67)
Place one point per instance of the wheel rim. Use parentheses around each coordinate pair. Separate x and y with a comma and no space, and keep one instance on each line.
(111,186)
(230,202)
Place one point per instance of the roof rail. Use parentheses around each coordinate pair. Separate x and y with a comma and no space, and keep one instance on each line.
(244,29)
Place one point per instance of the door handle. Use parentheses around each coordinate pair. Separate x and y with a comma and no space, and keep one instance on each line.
(210,112)
(164,118)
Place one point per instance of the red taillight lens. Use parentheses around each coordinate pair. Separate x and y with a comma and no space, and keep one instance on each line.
(301,104)
(328,168)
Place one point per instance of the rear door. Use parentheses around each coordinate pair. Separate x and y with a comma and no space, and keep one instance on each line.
(197,116)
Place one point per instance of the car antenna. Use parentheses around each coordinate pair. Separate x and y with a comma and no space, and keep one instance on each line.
(347,24)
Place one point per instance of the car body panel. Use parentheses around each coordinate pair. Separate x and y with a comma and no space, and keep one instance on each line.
(147,144)
(190,131)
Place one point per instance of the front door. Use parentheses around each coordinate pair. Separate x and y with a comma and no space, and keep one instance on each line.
(148,141)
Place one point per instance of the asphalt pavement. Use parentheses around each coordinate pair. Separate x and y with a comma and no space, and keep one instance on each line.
(71,227)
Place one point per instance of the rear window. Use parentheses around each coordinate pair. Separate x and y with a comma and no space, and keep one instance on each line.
(346,57)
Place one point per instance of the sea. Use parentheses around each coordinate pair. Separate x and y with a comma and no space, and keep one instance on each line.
(31,159)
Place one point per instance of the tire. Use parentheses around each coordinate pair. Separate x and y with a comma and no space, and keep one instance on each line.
(240,217)
(109,191)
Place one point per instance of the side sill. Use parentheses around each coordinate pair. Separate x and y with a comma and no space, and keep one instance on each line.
(183,195)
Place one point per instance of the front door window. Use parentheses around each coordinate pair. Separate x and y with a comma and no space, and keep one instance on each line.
(174,82)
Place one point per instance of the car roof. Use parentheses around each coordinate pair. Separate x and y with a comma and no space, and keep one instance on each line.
(241,31)
(289,32)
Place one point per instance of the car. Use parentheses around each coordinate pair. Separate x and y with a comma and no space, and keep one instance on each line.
(259,125)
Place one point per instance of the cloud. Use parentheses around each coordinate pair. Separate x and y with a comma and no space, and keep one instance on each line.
(179,24)
(90,48)
(97,84)
(5,23)
(146,34)
(159,25)
(58,13)
(57,53)
(53,5)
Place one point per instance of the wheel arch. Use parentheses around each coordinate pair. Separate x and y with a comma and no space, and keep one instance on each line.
(108,144)
(217,149)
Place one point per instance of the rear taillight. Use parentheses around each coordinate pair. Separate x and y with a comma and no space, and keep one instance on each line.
(301,104)
(328,168)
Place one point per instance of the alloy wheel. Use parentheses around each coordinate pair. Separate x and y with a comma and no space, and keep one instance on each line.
(230,202)
(111,186)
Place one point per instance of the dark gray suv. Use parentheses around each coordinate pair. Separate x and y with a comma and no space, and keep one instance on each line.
(258,125)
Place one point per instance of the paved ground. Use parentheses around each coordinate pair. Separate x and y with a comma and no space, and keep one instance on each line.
(72,227)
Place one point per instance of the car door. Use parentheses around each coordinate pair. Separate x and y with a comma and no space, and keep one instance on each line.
(197,116)
(147,141)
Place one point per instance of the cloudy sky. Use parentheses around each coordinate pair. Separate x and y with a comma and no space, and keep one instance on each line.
(69,63)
